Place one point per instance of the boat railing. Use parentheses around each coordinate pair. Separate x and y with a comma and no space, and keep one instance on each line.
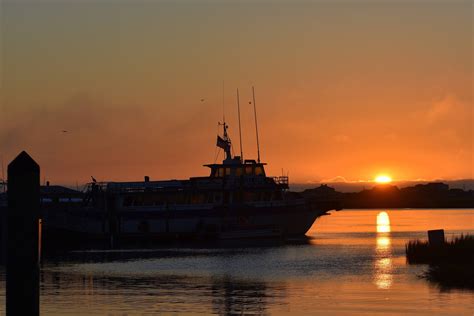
(278,203)
(102,186)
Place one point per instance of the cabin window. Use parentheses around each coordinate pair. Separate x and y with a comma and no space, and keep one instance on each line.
(226,197)
(148,200)
(259,171)
(138,201)
(248,170)
(182,198)
(239,171)
(220,172)
(175,198)
(159,199)
(143,227)
(217,197)
(237,196)
(227,171)
(128,201)
(198,198)
(277,195)
(171,199)
(249,196)
(267,196)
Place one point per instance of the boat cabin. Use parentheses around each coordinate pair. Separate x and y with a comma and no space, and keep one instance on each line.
(238,169)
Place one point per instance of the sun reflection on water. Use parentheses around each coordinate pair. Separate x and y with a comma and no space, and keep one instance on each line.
(383,223)
(383,264)
(383,243)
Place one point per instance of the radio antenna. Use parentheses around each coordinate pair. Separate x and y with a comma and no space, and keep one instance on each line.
(223,102)
(240,128)
(3,170)
(256,124)
(3,176)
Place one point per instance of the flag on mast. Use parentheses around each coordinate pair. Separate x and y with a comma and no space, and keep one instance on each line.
(222,143)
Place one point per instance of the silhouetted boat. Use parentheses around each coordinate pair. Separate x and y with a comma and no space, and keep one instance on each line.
(236,200)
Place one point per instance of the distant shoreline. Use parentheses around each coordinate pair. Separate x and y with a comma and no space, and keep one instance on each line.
(410,209)
(434,195)
(354,187)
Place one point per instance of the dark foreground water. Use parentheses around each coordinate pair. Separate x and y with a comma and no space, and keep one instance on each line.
(354,263)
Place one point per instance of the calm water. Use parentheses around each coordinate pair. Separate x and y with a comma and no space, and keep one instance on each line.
(354,263)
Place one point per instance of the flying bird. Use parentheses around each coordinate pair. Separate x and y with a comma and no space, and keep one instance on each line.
(64,131)
(202,100)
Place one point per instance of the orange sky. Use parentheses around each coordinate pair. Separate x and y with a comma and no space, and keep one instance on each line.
(344,88)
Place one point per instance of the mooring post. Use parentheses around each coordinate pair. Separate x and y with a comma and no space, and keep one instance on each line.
(22,288)
(436,237)
(3,227)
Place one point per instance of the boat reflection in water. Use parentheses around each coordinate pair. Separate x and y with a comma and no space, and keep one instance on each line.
(155,293)
(243,297)
(383,265)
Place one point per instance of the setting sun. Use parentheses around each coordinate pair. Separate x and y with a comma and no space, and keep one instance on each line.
(383,179)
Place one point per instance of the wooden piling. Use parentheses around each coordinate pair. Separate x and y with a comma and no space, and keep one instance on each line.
(22,286)
(3,236)
(436,237)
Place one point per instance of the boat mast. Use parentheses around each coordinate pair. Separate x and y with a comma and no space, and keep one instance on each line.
(256,124)
(223,102)
(224,141)
(3,177)
(240,128)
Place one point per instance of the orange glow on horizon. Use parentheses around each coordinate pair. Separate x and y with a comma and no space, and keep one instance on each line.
(383,178)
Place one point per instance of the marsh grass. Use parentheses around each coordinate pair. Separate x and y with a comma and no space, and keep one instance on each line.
(450,264)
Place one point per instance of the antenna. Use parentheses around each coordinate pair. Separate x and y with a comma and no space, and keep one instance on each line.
(240,128)
(3,170)
(3,176)
(256,124)
(223,103)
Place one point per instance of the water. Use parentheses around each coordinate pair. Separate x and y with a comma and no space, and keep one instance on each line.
(353,263)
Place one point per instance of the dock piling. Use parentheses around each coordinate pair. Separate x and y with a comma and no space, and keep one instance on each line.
(436,237)
(22,269)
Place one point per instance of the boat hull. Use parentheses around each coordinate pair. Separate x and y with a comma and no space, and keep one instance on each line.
(258,221)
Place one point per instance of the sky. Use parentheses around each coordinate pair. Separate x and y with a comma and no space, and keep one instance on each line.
(345,90)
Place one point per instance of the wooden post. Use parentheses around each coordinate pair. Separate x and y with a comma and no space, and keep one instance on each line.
(436,237)
(3,227)
(22,288)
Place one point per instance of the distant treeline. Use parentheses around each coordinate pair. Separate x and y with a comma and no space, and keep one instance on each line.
(431,195)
